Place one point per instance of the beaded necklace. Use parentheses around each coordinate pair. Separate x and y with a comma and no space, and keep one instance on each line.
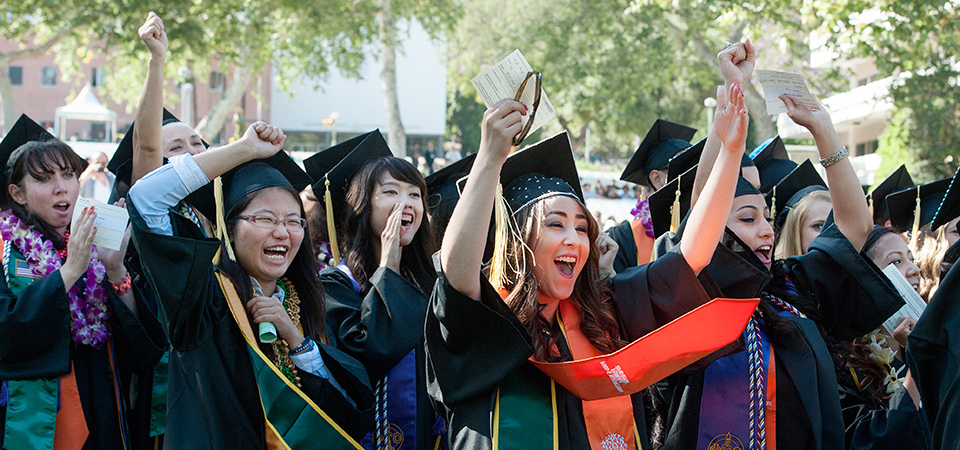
(281,348)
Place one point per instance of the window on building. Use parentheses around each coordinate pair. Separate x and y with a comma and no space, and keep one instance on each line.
(97,76)
(48,76)
(216,82)
(866,148)
(16,75)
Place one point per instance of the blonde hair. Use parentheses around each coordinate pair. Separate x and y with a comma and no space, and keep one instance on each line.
(789,241)
(931,248)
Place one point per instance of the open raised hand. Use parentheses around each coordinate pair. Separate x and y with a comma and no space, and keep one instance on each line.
(737,62)
(730,122)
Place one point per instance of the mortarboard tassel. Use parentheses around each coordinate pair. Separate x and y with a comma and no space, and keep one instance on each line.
(914,238)
(331,224)
(773,204)
(675,209)
(221,231)
(503,263)
(643,192)
(870,205)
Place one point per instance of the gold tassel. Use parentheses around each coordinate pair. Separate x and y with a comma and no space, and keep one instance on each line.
(643,192)
(501,230)
(331,224)
(773,204)
(675,209)
(221,231)
(916,225)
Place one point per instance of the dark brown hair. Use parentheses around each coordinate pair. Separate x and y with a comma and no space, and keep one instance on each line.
(592,298)
(302,273)
(359,239)
(39,159)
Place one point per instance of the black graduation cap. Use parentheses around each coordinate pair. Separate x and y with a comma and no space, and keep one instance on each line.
(896,181)
(23,131)
(333,169)
(277,170)
(121,164)
(541,170)
(784,195)
(949,208)
(664,140)
(444,192)
(772,162)
(685,160)
(663,200)
(902,205)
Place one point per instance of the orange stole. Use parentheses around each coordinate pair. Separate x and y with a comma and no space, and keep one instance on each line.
(70,432)
(657,355)
(609,421)
(644,242)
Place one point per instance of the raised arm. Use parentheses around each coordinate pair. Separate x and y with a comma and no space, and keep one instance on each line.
(461,253)
(259,141)
(147,141)
(704,226)
(850,211)
(736,65)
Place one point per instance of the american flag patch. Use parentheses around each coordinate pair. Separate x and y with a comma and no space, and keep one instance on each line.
(23,269)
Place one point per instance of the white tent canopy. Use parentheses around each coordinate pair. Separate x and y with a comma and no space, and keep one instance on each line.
(85,107)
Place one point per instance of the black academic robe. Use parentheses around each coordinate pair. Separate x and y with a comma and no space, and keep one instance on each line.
(213,399)
(36,342)
(933,355)
(897,425)
(849,297)
(473,346)
(627,252)
(379,329)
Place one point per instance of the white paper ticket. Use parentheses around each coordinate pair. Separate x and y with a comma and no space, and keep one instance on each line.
(111,222)
(914,303)
(504,79)
(776,83)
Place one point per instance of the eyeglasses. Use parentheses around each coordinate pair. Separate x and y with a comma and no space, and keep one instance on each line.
(266,222)
(536,104)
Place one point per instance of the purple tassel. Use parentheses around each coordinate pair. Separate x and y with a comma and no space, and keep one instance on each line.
(439,427)
(4,394)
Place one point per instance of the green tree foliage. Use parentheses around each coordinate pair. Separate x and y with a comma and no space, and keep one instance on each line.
(915,42)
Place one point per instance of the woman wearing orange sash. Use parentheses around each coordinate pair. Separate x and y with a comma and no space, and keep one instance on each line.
(251,364)
(542,297)
(69,317)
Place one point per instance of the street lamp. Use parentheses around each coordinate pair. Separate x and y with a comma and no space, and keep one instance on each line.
(330,122)
(711,104)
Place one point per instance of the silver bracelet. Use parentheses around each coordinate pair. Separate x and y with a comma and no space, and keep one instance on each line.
(834,158)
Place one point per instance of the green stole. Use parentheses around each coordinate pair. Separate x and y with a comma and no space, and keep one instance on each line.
(526,411)
(293,420)
(32,404)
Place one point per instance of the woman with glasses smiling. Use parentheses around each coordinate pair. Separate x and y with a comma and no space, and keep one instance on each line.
(229,386)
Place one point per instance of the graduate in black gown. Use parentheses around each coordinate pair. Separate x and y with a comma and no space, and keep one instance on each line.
(783,387)
(232,386)
(70,320)
(545,299)
(376,296)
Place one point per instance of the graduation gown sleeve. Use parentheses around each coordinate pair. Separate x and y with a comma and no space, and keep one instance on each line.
(379,328)
(933,355)
(35,330)
(853,296)
(898,426)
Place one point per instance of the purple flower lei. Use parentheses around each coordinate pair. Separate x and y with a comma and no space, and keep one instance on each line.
(642,212)
(88,309)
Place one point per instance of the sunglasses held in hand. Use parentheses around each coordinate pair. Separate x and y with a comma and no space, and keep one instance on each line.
(538,83)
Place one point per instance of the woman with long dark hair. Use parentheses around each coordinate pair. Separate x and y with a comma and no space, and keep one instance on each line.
(544,298)
(69,317)
(783,387)
(377,296)
(292,388)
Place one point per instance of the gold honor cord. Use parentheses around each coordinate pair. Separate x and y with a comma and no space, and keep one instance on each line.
(331,223)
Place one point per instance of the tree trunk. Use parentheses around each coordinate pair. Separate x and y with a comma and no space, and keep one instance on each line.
(396,135)
(211,124)
(6,97)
